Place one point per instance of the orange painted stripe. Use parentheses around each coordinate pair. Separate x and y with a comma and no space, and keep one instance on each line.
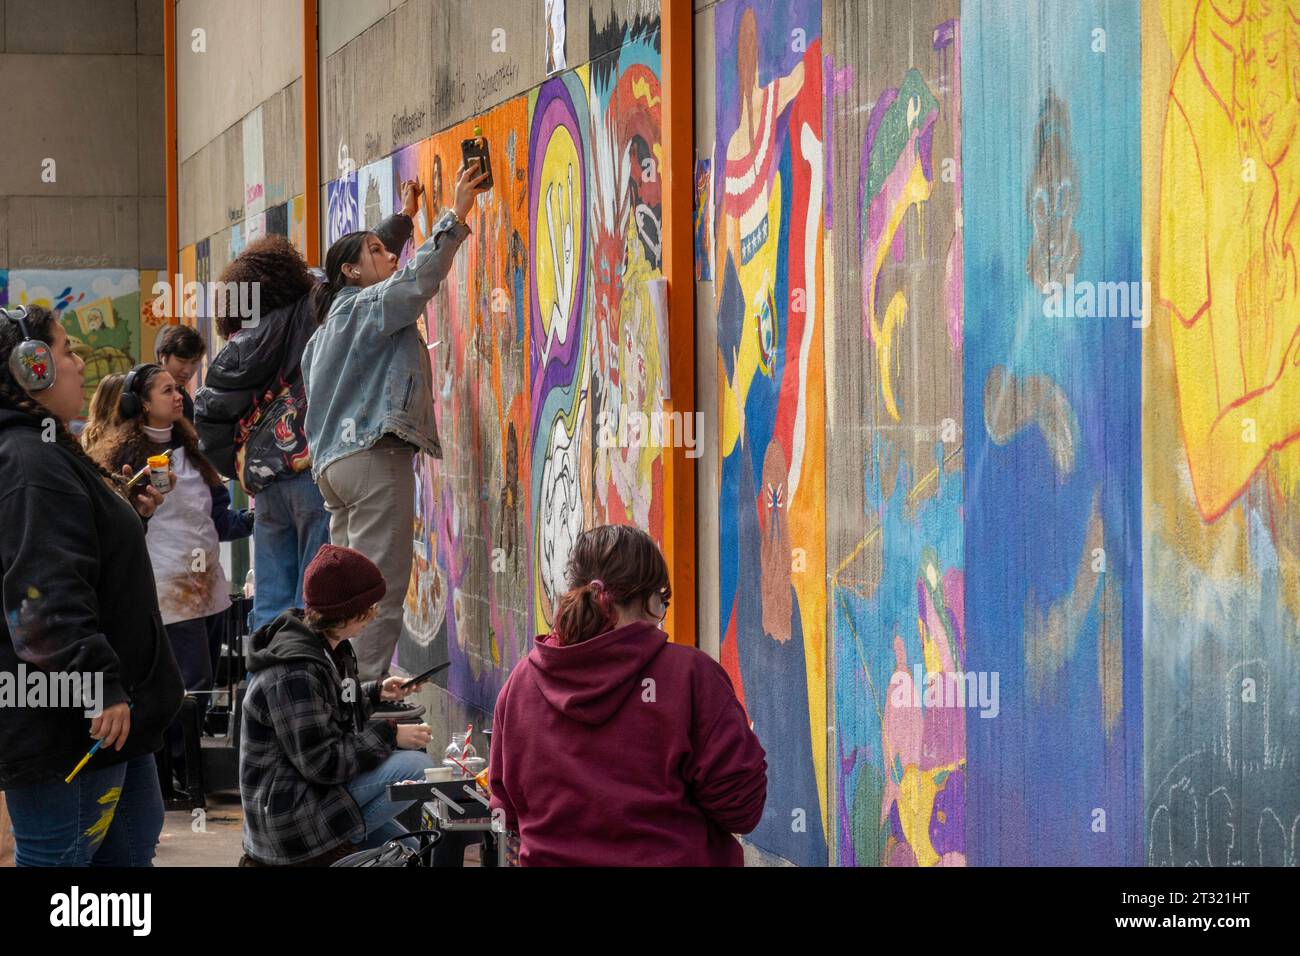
(677,44)
(311,131)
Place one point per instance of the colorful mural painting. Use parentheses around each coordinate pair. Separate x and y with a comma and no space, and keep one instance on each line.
(1221,415)
(375,193)
(342,214)
(98,308)
(298,223)
(769,236)
(1052,505)
(1008,539)
(595,366)
(896,601)
(558,236)
(470,575)
(626,384)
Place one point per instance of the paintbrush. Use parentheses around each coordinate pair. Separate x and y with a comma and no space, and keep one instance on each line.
(89,753)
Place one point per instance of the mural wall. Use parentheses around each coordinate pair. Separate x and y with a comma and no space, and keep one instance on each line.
(1007,527)
(471,537)
(895,507)
(1053,572)
(544,344)
(1222,477)
(100,311)
(768,157)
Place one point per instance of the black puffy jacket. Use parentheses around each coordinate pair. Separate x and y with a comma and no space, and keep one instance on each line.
(258,369)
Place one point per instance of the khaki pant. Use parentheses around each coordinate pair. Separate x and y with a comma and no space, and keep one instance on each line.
(370,497)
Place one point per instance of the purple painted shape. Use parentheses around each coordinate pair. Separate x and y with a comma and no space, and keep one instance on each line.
(838,82)
(948,821)
(555,108)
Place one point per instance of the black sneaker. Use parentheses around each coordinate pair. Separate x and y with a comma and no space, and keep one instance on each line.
(397,710)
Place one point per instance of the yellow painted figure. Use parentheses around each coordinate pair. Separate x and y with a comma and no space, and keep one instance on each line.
(1226,260)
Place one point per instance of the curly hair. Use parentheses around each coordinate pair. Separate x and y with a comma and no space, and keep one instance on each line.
(280,273)
(41,323)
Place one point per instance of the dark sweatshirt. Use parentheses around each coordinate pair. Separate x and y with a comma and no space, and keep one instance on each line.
(78,594)
(625,750)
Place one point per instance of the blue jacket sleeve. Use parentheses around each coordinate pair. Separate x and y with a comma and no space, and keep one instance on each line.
(232,524)
(400,299)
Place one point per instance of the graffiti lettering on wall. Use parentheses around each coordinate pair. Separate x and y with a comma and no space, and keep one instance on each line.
(1222,412)
(98,308)
(1052,437)
(897,590)
(769,234)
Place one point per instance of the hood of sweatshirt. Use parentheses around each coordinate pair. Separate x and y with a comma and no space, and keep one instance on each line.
(11,417)
(285,639)
(589,682)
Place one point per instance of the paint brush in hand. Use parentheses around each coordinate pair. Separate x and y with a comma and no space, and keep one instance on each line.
(90,753)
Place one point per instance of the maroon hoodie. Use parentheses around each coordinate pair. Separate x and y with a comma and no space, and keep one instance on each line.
(625,750)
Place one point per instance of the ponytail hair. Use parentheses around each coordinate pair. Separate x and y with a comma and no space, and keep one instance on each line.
(610,565)
(41,323)
(345,251)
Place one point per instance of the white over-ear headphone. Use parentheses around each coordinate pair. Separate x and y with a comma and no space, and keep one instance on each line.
(31,362)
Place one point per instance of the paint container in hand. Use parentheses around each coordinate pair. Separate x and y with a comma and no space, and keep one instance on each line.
(158,473)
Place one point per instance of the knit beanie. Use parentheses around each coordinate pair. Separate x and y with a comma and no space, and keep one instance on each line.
(341,583)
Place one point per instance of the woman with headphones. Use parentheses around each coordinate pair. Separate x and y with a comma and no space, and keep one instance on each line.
(79,599)
(185,532)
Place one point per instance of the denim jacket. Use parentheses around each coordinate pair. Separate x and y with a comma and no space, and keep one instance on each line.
(367,367)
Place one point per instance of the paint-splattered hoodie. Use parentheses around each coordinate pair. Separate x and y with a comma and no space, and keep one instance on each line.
(78,595)
(625,750)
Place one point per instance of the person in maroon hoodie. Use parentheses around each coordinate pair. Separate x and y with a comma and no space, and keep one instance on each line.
(611,746)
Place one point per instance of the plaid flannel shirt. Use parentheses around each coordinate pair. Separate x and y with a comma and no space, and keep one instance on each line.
(300,745)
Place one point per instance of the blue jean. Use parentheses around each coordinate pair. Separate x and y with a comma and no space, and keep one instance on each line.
(291,525)
(370,791)
(111,817)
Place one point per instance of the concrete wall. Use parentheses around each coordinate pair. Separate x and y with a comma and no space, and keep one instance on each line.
(236,61)
(83,88)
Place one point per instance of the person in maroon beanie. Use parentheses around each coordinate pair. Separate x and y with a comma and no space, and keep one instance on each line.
(613,747)
(314,764)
